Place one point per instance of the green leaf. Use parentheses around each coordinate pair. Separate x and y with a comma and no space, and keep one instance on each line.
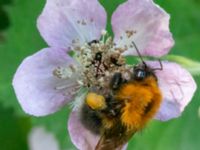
(110,6)
(13,130)
(184,25)
(23,39)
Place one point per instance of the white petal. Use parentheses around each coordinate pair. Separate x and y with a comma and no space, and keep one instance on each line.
(177,86)
(82,138)
(148,24)
(64,21)
(35,85)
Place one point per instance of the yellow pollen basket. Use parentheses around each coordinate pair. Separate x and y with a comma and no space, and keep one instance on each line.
(95,101)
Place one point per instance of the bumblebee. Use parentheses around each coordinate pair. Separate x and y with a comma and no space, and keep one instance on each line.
(128,107)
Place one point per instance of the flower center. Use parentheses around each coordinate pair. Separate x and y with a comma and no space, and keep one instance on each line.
(97,60)
(100,59)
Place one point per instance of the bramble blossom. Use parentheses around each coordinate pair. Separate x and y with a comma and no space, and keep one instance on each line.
(51,78)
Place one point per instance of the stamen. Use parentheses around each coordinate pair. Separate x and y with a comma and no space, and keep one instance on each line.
(80,82)
(99,60)
(61,87)
(103,32)
(79,99)
(65,86)
(64,72)
(130,33)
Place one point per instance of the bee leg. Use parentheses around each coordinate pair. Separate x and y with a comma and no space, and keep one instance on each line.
(113,108)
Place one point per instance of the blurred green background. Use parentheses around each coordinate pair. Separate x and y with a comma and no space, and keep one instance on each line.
(19,38)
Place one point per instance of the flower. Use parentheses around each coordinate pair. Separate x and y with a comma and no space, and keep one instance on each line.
(51,78)
(39,139)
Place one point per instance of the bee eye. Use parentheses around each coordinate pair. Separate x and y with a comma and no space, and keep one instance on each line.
(140,74)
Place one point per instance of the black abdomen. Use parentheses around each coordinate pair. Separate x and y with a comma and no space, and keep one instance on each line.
(91,119)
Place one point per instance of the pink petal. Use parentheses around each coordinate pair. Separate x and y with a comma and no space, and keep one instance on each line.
(177,86)
(65,21)
(151,24)
(34,82)
(82,138)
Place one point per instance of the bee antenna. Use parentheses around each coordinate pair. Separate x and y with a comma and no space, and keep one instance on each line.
(138,52)
(161,66)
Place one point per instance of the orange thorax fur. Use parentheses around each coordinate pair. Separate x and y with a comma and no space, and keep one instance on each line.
(142,101)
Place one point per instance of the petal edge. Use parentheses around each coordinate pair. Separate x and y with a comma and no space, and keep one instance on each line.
(177,86)
(34,83)
(63,22)
(146,24)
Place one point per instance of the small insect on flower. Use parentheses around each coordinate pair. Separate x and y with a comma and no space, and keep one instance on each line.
(126,109)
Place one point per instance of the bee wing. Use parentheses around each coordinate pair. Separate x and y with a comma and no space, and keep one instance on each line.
(109,144)
(115,142)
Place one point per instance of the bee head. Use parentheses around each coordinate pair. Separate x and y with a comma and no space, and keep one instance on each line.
(142,71)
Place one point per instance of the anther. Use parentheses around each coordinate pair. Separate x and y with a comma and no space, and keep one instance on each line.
(103,32)
(63,73)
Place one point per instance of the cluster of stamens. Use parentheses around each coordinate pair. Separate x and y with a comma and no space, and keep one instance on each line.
(98,60)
